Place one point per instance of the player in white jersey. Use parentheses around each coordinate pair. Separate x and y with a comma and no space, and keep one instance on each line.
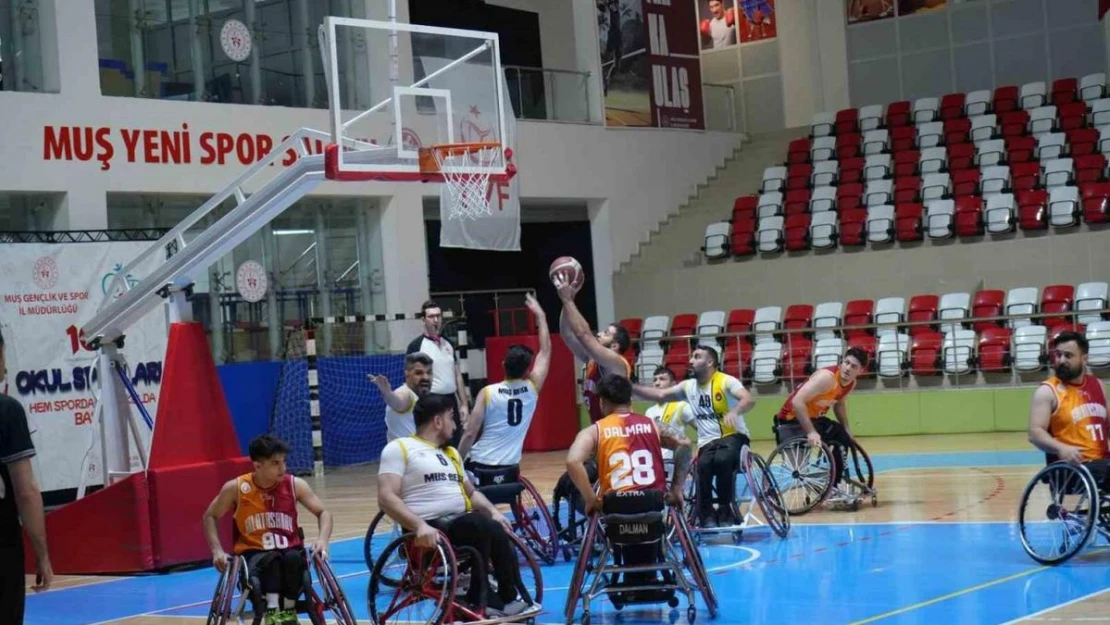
(673,413)
(720,402)
(503,411)
(400,401)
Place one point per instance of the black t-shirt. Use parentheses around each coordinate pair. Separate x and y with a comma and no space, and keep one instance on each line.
(15,444)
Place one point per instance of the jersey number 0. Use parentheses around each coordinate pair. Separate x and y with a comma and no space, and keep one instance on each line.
(516,412)
(637,469)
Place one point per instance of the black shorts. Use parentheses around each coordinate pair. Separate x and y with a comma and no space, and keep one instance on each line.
(493,475)
(12,584)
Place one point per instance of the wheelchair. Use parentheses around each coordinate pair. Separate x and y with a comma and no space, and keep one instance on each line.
(1062,510)
(609,535)
(807,474)
(428,583)
(235,579)
(757,489)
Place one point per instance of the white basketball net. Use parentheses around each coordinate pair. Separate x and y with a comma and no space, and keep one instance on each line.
(466,172)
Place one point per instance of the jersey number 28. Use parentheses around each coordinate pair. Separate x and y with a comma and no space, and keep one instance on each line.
(637,469)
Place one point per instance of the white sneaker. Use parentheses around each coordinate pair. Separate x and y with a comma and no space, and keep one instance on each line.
(515,607)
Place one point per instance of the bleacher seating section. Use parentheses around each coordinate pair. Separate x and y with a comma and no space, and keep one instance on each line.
(963,165)
(923,335)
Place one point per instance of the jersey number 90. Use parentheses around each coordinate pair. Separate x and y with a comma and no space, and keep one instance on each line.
(274,541)
(636,469)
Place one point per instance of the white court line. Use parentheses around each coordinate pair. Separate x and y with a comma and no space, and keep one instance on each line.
(753,555)
(1058,606)
(916,476)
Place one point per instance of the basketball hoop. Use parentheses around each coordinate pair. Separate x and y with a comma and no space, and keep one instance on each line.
(466,170)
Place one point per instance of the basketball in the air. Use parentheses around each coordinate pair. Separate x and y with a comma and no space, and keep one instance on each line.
(567,264)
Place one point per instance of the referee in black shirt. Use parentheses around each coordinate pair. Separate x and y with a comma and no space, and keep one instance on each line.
(19,498)
(447,379)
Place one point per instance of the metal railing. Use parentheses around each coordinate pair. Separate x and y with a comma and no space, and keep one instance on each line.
(719,101)
(789,356)
(540,93)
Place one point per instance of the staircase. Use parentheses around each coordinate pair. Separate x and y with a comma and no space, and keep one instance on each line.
(677,241)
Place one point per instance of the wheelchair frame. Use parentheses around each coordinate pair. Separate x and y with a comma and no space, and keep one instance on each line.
(852,489)
(765,492)
(444,578)
(603,572)
(1092,509)
(235,579)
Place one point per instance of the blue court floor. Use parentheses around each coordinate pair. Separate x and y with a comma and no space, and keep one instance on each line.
(896,572)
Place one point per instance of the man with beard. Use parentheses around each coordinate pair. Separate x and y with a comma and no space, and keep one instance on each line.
(400,401)
(1067,417)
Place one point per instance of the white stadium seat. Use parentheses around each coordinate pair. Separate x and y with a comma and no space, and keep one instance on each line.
(767,319)
(1021,301)
(876,141)
(938,219)
(765,362)
(1033,94)
(959,348)
(871,117)
(925,110)
(880,223)
(769,237)
(994,179)
(1092,87)
(774,179)
(823,230)
(1090,296)
(953,306)
(716,239)
(983,127)
(889,310)
(978,102)
(1063,206)
(935,186)
(1029,347)
(1051,145)
(823,199)
(822,125)
(891,354)
(827,352)
(710,323)
(653,329)
(878,192)
(826,315)
(990,152)
(1000,213)
(1098,336)
(1042,120)
(825,173)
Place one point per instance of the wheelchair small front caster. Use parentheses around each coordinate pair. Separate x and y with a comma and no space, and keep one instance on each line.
(691,614)
(586,618)
(738,537)
(874,501)
(672,602)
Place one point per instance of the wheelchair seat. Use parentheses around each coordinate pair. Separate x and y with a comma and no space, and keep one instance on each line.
(502,494)
(634,529)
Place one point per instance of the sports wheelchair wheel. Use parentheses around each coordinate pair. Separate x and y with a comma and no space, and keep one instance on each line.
(219,613)
(803,472)
(532,522)
(858,475)
(316,605)
(694,563)
(763,486)
(1058,512)
(332,600)
(392,571)
(434,579)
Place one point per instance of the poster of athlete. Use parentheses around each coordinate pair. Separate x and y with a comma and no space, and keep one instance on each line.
(650,64)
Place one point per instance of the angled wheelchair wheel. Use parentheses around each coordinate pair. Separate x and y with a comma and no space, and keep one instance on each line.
(765,489)
(331,598)
(425,590)
(223,599)
(1058,512)
(533,523)
(581,568)
(803,473)
(391,572)
(693,561)
(860,473)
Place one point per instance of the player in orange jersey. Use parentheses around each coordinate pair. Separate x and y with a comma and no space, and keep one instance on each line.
(602,352)
(1067,416)
(804,413)
(266,533)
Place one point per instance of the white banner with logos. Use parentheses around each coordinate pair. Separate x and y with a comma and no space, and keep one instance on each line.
(48,292)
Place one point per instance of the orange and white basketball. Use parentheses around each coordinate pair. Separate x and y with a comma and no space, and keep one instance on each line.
(568,268)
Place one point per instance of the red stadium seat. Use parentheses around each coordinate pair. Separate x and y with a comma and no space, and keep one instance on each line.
(952,106)
(798,175)
(684,323)
(796,353)
(796,232)
(922,308)
(1032,213)
(797,202)
(798,151)
(905,163)
(1064,91)
(1083,141)
(1013,123)
(737,358)
(853,226)
(740,320)
(994,350)
(797,316)
(898,114)
(925,353)
(957,130)
(745,205)
(965,182)
(847,121)
(1056,329)
(961,156)
(1005,100)
(1057,298)
(859,312)
(907,222)
(848,146)
(1072,115)
(851,170)
(969,216)
(1024,176)
(903,138)
(1089,168)
(1096,201)
(633,325)
(845,194)
(906,189)
(987,303)
(742,237)
(1021,149)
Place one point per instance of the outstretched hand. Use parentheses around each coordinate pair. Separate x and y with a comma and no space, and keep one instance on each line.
(564,285)
(379,380)
(533,305)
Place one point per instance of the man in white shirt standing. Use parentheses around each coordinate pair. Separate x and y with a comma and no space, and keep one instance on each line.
(422,486)
(447,378)
(676,414)
(400,401)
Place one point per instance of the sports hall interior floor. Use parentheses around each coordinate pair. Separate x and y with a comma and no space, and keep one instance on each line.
(942,545)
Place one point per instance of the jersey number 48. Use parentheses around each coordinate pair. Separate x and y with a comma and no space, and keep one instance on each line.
(636,469)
